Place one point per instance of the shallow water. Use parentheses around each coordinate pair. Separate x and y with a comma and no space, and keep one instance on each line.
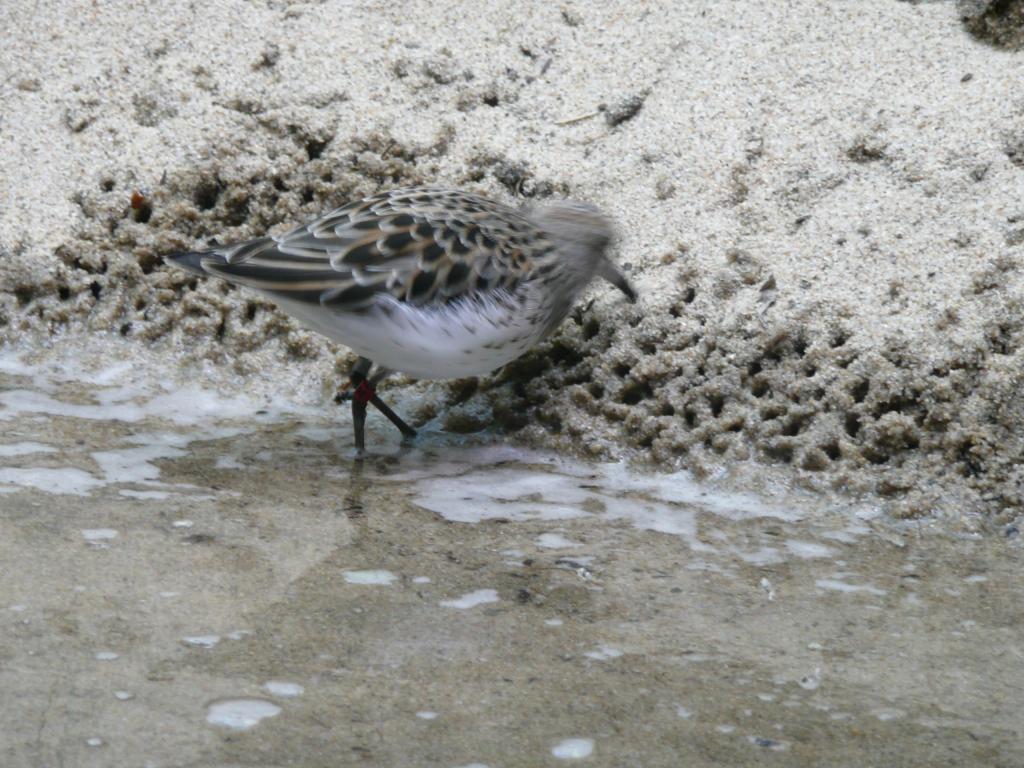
(174,553)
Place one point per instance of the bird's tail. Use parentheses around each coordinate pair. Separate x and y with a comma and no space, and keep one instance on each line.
(192,261)
(215,260)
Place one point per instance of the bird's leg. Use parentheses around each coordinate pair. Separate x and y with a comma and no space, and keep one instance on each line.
(380,405)
(362,389)
(358,383)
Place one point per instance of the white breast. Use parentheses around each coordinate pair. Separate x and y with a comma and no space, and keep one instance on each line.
(450,342)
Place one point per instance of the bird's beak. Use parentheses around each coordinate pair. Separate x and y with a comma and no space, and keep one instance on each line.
(613,273)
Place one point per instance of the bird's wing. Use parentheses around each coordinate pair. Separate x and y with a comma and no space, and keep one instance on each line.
(419,245)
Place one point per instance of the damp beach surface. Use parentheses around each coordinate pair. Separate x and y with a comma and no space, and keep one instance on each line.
(459,602)
(818,559)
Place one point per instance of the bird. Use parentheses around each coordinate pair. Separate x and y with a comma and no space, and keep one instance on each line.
(432,282)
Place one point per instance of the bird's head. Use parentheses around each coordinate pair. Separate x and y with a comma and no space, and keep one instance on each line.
(583,235)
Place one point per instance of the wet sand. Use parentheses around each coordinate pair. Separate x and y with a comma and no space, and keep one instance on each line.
(171,551)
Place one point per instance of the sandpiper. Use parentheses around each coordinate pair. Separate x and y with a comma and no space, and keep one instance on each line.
(434,283)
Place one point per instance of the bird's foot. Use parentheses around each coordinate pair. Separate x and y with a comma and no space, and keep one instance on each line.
(361,391)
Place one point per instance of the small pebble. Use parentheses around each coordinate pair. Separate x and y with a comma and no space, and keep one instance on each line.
(624,110)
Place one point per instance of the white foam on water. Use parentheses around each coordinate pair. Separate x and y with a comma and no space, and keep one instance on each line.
(128,390)
(201,641)
(61,480)
(852,531)
(841,586)
(134,465)
(124,392)
(761,556)
(228,462)
(424,463)
(682,488)
(112,374)
(191,404)
(603,653)
(809,549)
(174,439)
(322,434)
(656,516)
(560,489)
(556,541)
(22,449)
(888,713)
(17,402)
(472,599)
(283,689)
(99,534)
(383,578)
(240,714)
(11,364)
(146,495)
(811,682)
(514,494)
(573,749)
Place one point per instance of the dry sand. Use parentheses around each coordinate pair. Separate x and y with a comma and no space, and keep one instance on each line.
(823,204)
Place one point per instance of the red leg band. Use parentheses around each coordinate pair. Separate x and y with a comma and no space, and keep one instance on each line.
(364,392)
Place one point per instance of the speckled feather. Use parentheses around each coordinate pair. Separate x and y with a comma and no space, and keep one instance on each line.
(423,246)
